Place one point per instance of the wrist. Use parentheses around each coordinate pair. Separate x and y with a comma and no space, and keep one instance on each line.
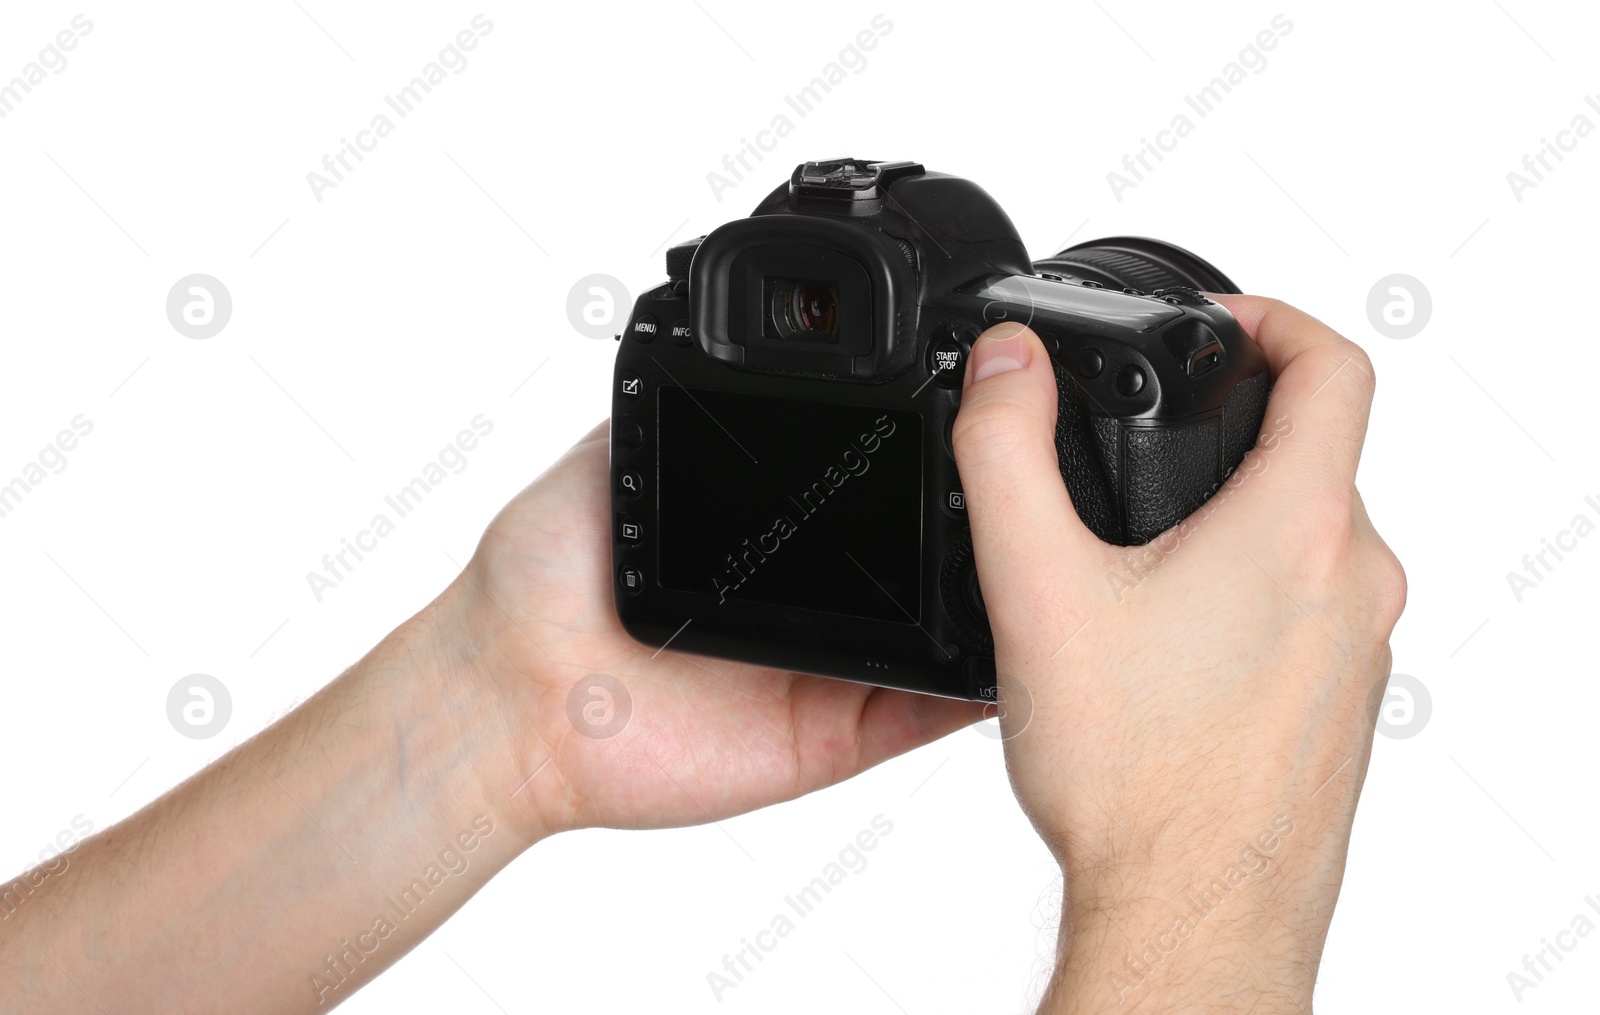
(473,712)
(1218,932)
(1175,958)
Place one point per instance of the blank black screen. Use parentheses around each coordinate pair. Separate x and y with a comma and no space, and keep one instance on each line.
(792,503)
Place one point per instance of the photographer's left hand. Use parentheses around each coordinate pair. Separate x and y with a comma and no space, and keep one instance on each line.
(464,737)
(706,739)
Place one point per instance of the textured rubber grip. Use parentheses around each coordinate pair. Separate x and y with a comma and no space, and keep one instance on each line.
(1131,482)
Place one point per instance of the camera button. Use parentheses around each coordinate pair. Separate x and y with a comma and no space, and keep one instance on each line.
(955,502)
(630,484)
(1130,380)
(974,594)
(1090,363)
(631,385)
(630,434)
(644,328)
(631,579)
(682,333)
(947,361)
(631,531)
(981,678)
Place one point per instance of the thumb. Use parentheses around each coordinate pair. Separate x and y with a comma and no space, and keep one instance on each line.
(1025,531)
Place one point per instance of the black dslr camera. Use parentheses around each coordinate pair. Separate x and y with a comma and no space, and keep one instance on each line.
(784,490)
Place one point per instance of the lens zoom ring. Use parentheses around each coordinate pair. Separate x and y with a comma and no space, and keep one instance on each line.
(1130,269)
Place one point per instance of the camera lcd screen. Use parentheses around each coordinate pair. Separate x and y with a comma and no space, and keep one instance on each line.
(800,504)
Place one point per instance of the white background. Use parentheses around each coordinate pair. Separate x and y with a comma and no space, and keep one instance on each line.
(370,326)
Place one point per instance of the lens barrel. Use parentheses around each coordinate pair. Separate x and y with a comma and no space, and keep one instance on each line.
(1136,262)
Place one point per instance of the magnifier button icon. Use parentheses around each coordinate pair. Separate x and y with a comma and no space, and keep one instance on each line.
(631,484)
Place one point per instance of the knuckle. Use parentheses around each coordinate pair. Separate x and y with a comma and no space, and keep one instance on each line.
(1336,560)
(1359,362)
(1340,363)
(1388,585)
(1273,314)
(990,427)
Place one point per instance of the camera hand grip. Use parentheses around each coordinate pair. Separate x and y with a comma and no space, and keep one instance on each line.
(1132,481)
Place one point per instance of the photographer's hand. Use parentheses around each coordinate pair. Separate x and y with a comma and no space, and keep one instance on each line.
(706,739)
(308,859)
(1188,722)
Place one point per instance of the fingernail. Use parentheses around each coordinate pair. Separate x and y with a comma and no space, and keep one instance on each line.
(1000,349)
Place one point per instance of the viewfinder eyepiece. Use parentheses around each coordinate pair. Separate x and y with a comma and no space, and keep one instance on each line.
(804,309)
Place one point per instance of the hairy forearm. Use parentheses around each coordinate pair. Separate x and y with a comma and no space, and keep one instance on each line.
(292,870)
(1168,960)
(1222,928)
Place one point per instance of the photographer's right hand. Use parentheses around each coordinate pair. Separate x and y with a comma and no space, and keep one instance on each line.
(1188,723)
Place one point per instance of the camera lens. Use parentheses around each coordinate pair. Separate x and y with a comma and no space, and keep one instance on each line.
(1137,262)
(800,307)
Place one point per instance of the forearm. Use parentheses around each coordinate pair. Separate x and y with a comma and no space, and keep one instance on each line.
(1171,959)
(295,868)
(1222,927)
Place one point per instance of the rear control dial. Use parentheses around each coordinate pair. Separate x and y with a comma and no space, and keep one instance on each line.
(962,598)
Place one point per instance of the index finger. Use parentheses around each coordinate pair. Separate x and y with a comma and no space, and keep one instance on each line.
(1322,384)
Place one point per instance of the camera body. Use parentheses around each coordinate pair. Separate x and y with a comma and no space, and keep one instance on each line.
(784,485)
